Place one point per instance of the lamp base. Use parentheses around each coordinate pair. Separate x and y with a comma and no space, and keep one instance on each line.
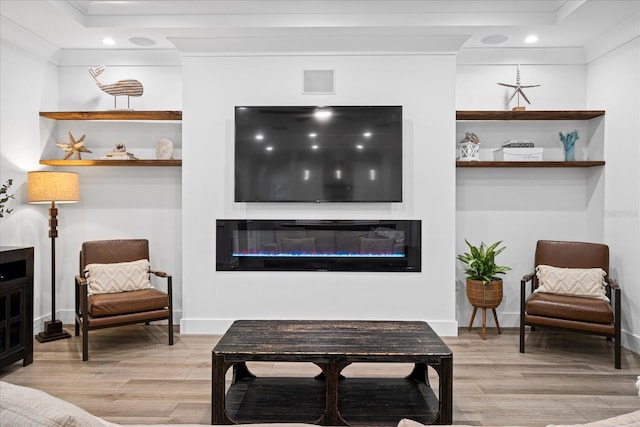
(52,331)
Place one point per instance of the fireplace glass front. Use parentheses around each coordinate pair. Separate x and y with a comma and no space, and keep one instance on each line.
(318,245)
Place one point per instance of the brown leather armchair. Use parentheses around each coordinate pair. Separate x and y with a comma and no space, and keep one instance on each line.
(579,314)
(107,310)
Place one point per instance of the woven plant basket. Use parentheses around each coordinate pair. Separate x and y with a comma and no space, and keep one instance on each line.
(488,295)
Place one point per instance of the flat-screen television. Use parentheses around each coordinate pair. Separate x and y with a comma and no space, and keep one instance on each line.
(318,154)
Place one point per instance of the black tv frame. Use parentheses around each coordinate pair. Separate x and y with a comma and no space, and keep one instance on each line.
(336,191)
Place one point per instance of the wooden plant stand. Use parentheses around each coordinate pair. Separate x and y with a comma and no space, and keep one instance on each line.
(488,295)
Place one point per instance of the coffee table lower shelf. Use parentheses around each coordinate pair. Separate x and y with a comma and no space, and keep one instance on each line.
(362,401)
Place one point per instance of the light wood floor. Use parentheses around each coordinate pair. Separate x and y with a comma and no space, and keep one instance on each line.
(134,377)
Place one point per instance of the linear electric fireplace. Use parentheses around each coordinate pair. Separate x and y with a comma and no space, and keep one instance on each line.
(318,245)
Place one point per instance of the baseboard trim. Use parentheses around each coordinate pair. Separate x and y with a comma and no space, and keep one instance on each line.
(630,341)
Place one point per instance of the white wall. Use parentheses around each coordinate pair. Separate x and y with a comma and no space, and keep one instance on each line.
(131,202)
(594,204)
(520,206)
(612,82)
(20,152)
(176,208)
(423,85)
(120,202)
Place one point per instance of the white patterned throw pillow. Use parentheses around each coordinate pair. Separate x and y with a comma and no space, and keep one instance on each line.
(117,277)
(584,282)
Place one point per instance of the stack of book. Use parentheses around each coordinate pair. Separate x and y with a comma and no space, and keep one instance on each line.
(522,150)
(118,155)
(518,143)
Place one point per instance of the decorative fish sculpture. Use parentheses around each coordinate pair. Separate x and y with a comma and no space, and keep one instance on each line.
(127,87)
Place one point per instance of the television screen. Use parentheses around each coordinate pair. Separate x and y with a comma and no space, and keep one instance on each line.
(318,154)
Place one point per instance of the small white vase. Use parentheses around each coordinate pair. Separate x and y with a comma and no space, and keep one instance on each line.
(164,149)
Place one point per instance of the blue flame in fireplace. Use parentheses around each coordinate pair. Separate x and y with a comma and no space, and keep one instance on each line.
(316,255)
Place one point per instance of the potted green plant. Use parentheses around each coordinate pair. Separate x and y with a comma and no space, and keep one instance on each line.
(484,287)
(4,198)
(481,262)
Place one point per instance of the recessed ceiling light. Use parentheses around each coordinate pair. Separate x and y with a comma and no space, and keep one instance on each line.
(142,41)
(259,137)
(360,147)
(313,135)
(495,39)
(314,147)
(108,41)
(367,134)
(269,148)
(532,38)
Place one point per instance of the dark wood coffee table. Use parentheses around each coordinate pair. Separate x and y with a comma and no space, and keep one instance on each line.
(330,398)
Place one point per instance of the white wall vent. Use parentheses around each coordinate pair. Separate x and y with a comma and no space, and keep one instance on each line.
(318,82)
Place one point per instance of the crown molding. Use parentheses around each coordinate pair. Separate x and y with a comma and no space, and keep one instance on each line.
(23,39)
(124,57)
(12,34)
(301,43)
(625,32)
(532,56)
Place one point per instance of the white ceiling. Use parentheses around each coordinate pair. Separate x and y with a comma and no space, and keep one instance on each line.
(82,24)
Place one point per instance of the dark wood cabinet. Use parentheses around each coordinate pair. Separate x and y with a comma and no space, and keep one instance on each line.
(16,305)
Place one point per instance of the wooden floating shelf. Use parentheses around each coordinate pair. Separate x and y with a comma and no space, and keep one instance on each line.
(173,162)
(536,164)
(528,115)
(112,115)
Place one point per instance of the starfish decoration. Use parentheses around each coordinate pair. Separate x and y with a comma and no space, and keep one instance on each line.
(518,88)
(74,147)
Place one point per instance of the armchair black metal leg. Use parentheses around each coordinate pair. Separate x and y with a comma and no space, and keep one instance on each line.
(85,343)
(78,322)
(170,329)
(170,292)
(77,307)
(616,326)
(522,308)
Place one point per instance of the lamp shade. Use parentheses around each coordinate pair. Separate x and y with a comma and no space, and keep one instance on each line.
(53,186)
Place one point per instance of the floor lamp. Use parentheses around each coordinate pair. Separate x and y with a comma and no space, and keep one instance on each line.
(52,187)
